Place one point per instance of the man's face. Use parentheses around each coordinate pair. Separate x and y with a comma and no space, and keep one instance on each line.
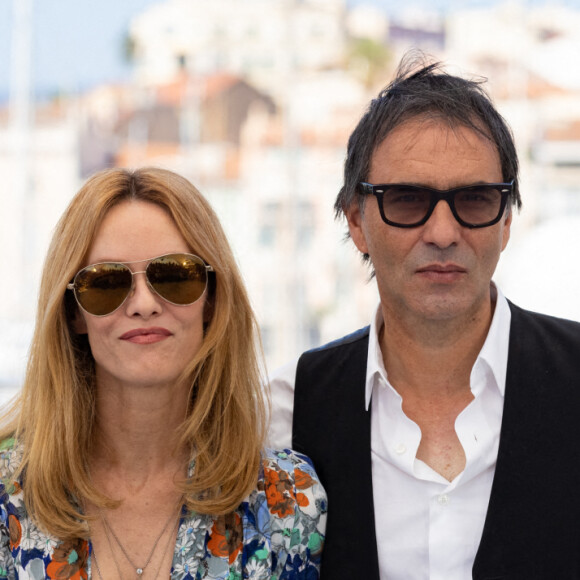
(440,270)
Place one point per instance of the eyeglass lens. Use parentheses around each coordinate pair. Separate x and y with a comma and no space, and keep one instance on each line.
(178,278)
(474,204)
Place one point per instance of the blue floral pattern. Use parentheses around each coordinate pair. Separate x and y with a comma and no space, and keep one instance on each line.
(276,533)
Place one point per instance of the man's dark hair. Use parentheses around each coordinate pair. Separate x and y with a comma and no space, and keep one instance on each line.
(425,90)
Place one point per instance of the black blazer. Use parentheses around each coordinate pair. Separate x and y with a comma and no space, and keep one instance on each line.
(532,527)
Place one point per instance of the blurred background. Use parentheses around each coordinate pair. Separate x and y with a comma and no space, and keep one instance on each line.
(253,101)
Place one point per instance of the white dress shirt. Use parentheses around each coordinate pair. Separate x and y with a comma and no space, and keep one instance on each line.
(427,528)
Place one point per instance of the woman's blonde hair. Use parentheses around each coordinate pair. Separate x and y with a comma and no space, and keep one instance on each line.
(54,416)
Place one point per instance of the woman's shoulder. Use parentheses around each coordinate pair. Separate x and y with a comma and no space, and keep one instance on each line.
(10,458)
(277,530)
(291,485)
(289,461)
(11,497)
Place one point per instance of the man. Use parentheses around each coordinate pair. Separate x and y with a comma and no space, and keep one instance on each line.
(446,433)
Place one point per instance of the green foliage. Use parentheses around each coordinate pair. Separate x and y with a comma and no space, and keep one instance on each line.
(368,59)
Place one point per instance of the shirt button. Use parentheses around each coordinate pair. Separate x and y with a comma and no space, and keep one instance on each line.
(443,499)
(400,449)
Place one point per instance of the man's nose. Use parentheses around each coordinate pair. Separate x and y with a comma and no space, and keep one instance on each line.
(442,229)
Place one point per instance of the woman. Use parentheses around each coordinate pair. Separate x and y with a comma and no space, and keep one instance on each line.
(135,449)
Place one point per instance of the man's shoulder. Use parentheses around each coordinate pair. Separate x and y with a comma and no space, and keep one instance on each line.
(333,368)
(544,344)
(355,337)
(543,322)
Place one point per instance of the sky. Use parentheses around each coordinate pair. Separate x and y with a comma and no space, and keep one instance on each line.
(78,43)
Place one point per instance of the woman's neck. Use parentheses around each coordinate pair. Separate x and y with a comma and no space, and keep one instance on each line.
(136,429)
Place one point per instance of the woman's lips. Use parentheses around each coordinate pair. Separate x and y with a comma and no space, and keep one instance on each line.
(146,335)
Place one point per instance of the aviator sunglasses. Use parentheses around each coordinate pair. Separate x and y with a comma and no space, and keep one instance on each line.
(410,206)
(179,279)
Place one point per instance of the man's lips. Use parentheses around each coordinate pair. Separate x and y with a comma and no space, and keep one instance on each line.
(146,335)
(441,268)
(442,272)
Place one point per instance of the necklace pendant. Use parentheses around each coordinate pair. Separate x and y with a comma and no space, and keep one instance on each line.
(139,571)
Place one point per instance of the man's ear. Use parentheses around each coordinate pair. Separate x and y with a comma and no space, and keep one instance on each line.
(355,216)
(506,229)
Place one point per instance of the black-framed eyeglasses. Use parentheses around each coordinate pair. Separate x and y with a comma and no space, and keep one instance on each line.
(410,206)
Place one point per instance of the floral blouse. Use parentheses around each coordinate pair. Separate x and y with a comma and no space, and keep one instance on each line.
(277,532)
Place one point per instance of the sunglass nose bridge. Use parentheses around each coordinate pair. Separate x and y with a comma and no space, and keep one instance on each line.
(142,297)
(133,274)
(442,203)
(146,281)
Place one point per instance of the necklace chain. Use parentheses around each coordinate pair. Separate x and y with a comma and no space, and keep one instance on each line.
(167,544)
(165,549)
(94,555)
(139,570)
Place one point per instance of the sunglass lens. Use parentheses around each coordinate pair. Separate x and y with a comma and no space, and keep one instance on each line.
(178,278)
(102,288)
(478,204)
(405,204)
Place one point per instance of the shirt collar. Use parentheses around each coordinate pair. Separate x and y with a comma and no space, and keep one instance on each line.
(494,353)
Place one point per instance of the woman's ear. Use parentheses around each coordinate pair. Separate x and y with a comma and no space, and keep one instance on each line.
(208,307)
(207,312)
(78,322)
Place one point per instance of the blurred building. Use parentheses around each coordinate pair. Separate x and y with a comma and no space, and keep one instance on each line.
(259,40)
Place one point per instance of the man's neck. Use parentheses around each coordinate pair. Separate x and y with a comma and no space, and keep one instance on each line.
(433,356)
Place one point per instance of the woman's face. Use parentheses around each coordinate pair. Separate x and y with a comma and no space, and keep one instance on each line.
(146,341)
